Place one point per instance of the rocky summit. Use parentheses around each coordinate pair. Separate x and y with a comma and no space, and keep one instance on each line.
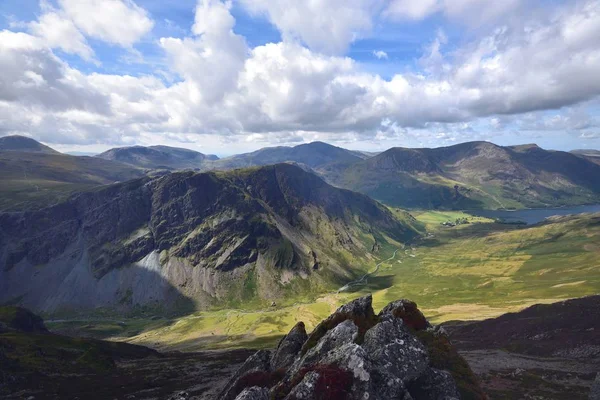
(357,354)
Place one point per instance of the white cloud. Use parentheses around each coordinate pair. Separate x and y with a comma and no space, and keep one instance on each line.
(412,9)
(32,76)
(327,26)
(380,54)
(212,61)
(472,12)
(60,32)
(121,22)
(282,92)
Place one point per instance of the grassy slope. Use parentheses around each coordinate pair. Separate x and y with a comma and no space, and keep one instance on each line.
(474,175)
(38,179)
(471,271)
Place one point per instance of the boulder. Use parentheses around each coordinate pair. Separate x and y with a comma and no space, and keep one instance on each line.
(409,313)
(396,349)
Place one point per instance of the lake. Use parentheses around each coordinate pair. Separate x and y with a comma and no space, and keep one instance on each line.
(533,216)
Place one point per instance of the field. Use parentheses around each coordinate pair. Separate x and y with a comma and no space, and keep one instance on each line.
(474,270)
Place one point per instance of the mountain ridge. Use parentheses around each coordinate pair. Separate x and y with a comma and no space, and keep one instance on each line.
(157,157)
(25,144)
(198,239)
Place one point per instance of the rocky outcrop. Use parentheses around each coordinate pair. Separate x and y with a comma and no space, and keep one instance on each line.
(289,347)
(355,354)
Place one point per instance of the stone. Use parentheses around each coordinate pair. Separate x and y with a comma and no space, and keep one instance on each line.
(254,393)
(289,347)
(408,311)
(360,311)
(396,350)
(306,388)
(258,362)
(388,360)
(434,385)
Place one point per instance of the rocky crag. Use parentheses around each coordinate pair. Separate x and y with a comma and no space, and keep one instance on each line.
(356,354)
(191,240)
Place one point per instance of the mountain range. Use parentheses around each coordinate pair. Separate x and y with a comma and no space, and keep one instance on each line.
(473,175)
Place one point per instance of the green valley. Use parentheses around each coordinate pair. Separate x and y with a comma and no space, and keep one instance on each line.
(475,270)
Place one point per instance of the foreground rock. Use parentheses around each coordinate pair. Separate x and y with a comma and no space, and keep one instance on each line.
(356,354)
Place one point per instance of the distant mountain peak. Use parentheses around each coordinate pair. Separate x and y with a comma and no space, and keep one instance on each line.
(158,157)
(24,143)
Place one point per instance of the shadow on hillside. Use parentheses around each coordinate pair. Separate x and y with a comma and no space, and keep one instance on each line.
(228,342)
(123,303)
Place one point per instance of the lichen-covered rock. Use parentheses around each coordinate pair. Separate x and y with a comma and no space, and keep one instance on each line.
(254,393)
(396,349)
(409,313)
(359,311)
(256,368)
(434,385)
(306,388)
(355,355)
(344,333)
(289,347)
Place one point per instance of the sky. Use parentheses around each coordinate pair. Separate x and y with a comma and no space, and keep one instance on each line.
(228,77)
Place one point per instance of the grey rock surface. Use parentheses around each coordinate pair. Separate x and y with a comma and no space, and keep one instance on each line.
(396,349)
(389,362)
(289,347)
(254,393)
(434,385)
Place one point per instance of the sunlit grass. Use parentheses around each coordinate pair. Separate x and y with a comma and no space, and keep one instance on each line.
(472,271)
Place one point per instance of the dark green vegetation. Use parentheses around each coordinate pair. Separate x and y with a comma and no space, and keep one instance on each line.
(475,175)
(158,157)
(193,240)
(27,350)
(35,176)
(43,365)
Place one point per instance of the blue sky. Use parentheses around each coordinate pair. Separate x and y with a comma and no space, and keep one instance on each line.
(226,77)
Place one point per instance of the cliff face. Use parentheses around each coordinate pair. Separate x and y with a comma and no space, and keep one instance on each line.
(189,240)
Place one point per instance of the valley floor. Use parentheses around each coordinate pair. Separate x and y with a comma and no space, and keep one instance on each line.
(475,270)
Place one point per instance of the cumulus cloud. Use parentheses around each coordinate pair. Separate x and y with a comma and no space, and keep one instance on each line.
(327,26)
(211,61)
(60,32)
(297,89)
(120,22)
(32,76)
